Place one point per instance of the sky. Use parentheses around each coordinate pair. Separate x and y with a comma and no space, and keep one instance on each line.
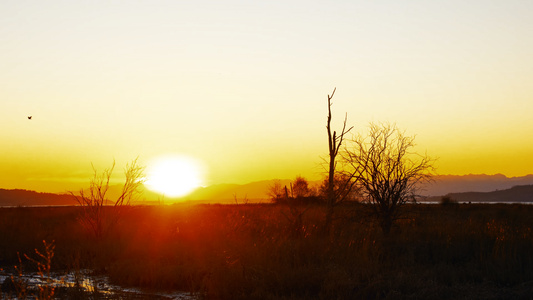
(242,85)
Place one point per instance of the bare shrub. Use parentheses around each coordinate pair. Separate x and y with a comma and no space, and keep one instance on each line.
(244,200)
(44,264)
(276,193)
(95,217)
(17,284)
(448,201)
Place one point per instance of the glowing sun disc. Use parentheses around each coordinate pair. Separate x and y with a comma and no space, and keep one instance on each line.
(174,176)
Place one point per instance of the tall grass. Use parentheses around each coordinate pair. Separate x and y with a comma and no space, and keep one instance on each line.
(262,251)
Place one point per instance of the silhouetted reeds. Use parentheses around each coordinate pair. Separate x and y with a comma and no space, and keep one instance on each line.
(265,251)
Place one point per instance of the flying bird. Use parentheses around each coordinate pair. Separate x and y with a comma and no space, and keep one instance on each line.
(29,117)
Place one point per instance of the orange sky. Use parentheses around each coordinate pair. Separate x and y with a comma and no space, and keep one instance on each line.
(242,86)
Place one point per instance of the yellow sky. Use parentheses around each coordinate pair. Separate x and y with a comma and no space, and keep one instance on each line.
(242,85)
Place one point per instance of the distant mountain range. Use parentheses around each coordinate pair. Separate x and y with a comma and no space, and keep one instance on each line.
(516,194)
(445,184)
(451,185)
(32,198)
(440,186)
(473,188)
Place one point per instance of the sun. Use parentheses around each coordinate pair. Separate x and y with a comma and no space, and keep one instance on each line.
(174,176)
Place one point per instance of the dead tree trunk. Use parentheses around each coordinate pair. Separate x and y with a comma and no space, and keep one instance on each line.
(334,143)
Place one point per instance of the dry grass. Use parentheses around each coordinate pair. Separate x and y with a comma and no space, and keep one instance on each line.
(274,252)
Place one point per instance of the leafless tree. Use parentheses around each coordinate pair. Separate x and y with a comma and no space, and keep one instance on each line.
(276,192)
(344,187)
(334,143)
(98,218)
(298,192)
(386,170)
(300,188)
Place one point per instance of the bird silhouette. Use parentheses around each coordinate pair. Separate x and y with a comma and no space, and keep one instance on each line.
(29,117)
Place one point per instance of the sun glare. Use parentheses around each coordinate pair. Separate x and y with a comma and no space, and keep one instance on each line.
(174,176)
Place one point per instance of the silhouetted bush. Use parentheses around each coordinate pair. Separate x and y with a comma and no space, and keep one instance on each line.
(448,201)
(297,193)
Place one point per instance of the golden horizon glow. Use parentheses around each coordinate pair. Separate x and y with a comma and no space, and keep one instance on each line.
(174,175)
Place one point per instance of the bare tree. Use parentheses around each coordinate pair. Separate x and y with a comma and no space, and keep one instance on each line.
(298,192)
(334,143)
(95,217)
(300,188)
(344,187)
(386,170)
(276,192)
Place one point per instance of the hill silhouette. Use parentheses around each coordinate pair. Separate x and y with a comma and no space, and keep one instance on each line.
(442,185)
(516,194)
(18,197)
(464,188)
(445,184)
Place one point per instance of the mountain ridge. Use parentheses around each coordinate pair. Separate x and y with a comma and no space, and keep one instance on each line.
(442,185)
(445,184)
(22,197)
(516,194)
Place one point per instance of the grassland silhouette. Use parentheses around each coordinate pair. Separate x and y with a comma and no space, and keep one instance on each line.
(360,235)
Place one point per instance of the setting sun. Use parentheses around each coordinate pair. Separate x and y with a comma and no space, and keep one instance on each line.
(266,149)
(174,176)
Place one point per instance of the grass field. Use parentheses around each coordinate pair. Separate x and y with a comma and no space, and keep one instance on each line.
(263,251)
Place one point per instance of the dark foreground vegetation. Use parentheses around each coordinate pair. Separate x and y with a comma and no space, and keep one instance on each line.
(263,251)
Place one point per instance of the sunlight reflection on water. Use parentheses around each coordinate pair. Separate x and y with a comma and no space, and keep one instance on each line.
(91,285)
